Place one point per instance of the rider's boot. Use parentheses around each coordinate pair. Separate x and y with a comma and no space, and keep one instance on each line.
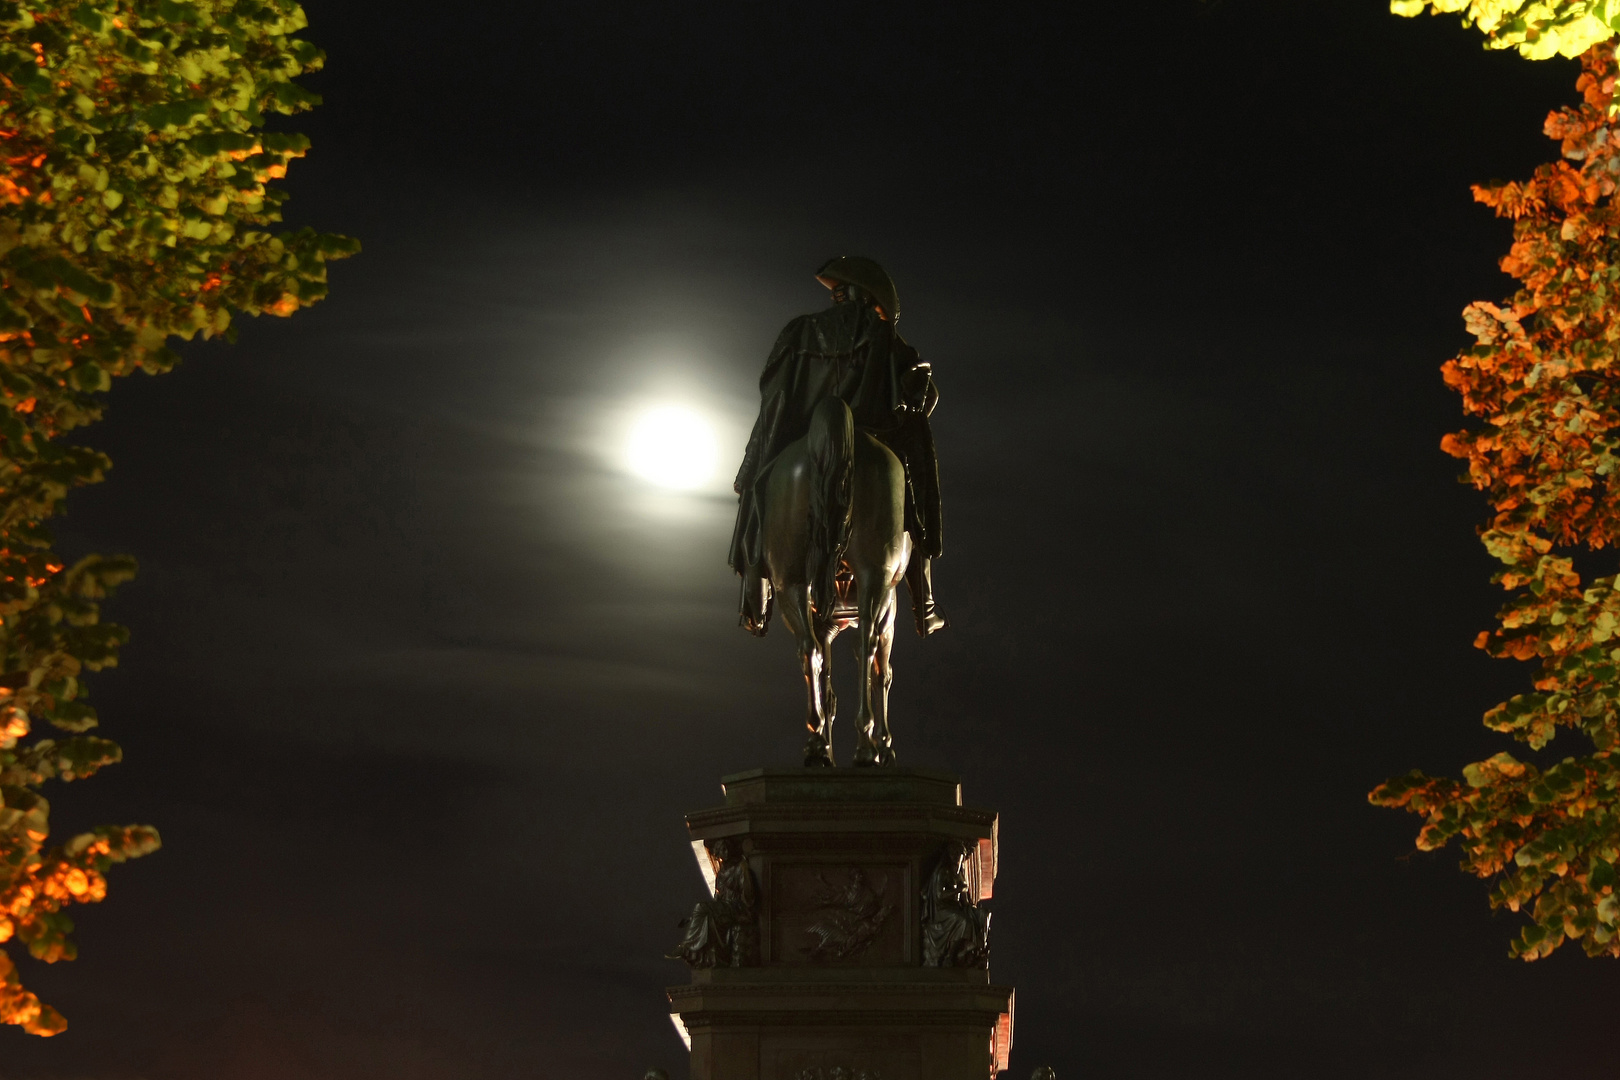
(920,583)
(755,608)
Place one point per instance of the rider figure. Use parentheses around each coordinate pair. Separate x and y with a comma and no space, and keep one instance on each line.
(849,351)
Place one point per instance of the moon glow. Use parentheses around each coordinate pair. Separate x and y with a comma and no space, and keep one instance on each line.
(674,447)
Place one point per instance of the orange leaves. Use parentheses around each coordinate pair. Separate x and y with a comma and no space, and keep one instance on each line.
(1579,131)
(1597,89)
(13,726)
(1541,377)
(1510,200)
(1569,123)
(19,1007)
(1490,323)
(1568,188)
(1519,648)
(48,881)
(284,306)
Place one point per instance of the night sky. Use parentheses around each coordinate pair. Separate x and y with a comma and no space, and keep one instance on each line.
(422,682)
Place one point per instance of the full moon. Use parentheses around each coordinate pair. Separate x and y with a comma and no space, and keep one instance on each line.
(673,447)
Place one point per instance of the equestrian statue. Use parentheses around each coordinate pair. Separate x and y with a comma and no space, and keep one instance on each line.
(838,497)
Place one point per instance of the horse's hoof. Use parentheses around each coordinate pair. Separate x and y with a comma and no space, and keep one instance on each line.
(885,755)
(817,754)
(866,755)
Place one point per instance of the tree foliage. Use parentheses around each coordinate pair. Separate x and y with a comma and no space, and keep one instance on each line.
(134,206)
(1544,377)
(1539,29)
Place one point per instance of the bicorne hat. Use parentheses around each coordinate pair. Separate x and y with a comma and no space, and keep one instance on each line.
(863,273)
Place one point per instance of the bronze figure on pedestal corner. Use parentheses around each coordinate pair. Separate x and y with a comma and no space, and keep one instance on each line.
(839,496)
(955,929)
(724,931)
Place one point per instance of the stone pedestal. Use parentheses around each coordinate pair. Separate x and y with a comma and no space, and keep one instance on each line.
(852,941)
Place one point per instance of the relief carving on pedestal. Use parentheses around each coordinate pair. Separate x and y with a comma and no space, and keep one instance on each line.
(724,931)
(955,930)
(848,918)
(838,1072)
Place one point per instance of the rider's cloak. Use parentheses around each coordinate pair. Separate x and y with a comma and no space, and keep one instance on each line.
(847,352)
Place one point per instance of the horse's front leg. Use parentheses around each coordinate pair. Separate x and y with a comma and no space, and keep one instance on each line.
(817,673)
(829,700)
(873,743)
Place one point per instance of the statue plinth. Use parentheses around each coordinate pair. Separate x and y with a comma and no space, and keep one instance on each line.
(843,931)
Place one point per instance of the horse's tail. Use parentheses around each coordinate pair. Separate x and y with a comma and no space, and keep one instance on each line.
(830,444)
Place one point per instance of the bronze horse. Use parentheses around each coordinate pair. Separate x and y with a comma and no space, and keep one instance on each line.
(833,534)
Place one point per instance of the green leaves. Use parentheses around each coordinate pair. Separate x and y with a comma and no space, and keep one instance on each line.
(1495,769)
(172,115)
(53,272)
(1537,28)
(137,203)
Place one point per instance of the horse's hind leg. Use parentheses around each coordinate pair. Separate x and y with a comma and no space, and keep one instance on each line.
(873,743)
(819,705)
(882,676)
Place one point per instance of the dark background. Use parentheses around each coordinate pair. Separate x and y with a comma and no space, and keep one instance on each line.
(421,684)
